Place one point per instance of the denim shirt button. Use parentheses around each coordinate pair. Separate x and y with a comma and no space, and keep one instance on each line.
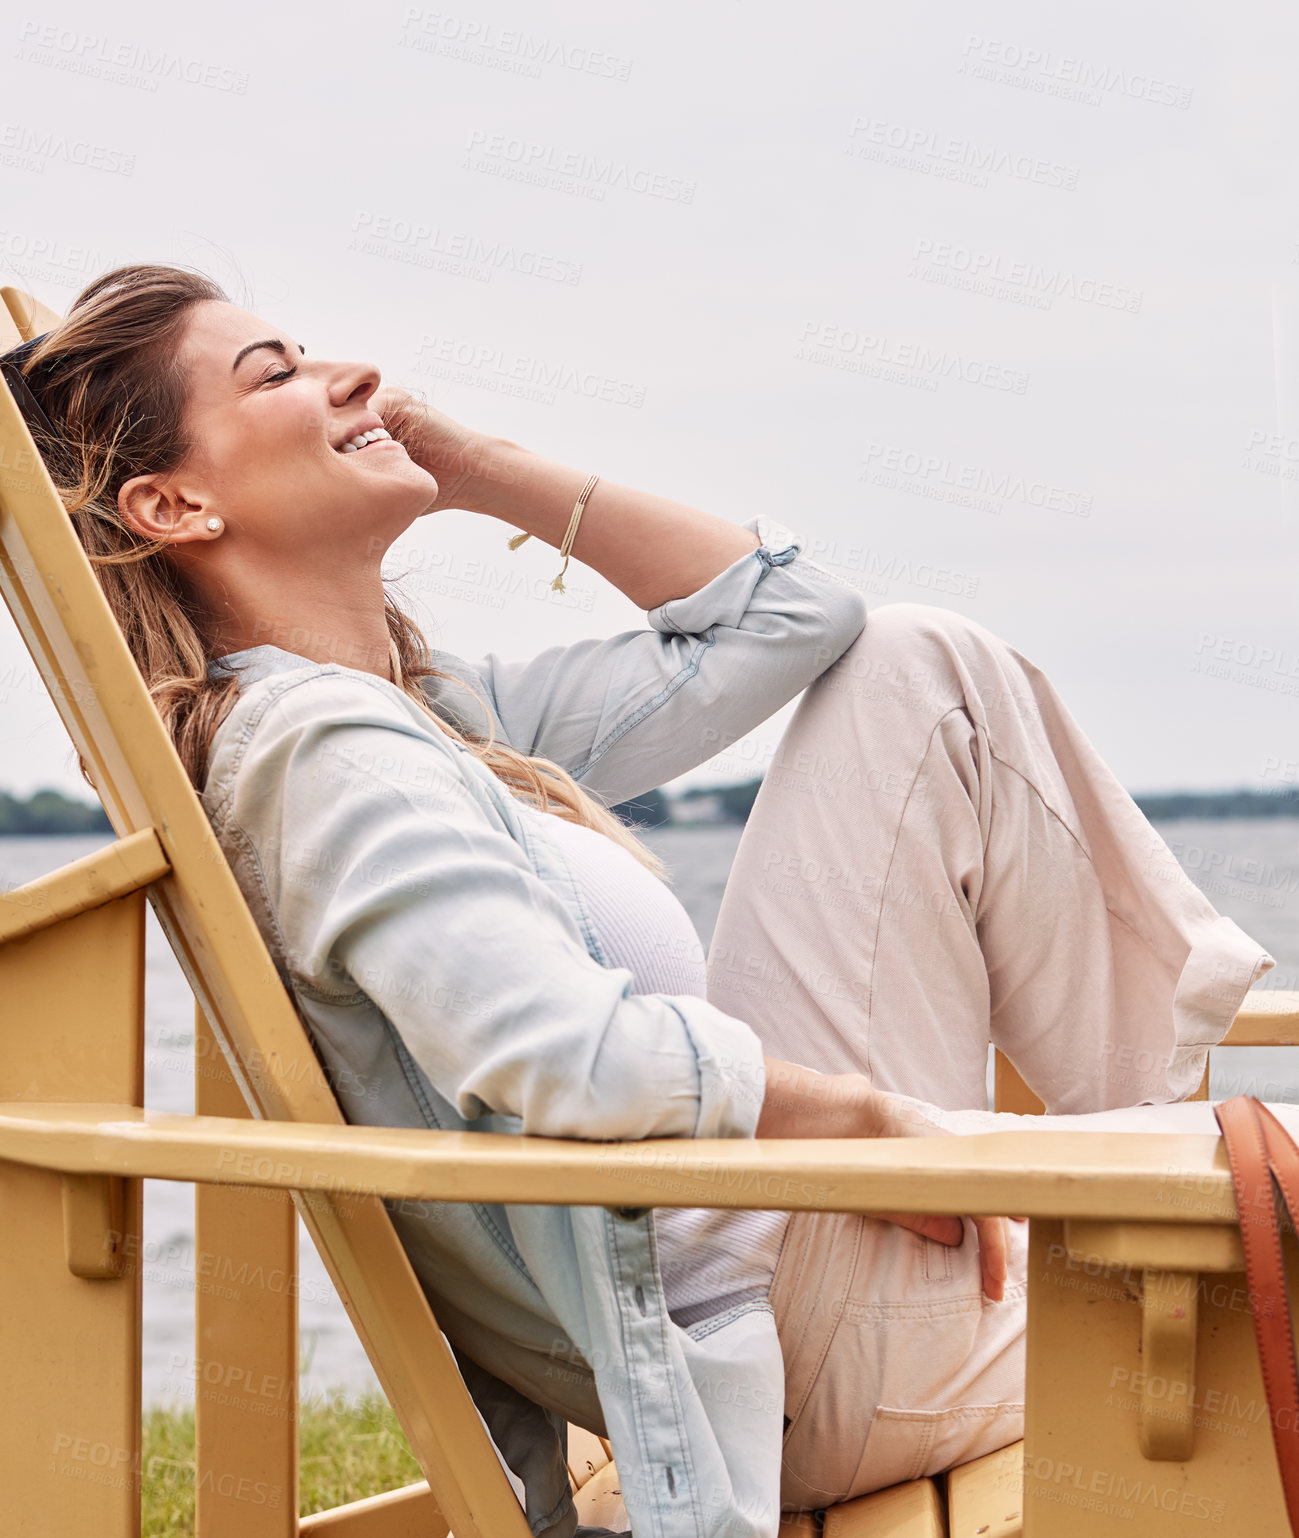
(628,1214)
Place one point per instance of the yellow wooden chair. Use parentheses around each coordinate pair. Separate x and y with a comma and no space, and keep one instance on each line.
(268,1136)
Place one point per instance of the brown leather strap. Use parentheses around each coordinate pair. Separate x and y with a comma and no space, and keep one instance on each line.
(1260,1151)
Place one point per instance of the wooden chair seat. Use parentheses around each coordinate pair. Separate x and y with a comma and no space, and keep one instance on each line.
(911,1510)
(984,1499)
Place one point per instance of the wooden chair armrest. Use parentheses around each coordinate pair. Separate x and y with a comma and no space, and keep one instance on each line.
(1268,1017)
(1129,1177)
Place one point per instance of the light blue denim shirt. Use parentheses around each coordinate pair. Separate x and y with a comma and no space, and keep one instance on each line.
(436,945)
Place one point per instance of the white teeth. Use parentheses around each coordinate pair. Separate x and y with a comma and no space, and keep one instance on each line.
(360,441)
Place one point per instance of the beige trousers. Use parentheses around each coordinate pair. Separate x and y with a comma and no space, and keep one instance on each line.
(939,859)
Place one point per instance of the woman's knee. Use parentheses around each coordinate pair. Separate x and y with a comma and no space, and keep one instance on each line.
(921,650)
(938,656)
(902,624)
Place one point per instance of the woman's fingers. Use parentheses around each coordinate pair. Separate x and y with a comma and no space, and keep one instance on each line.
(929,1225)
(994,1254)
(445,448)
(993,1236)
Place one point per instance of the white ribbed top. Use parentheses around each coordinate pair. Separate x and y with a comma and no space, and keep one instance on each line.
(705,1255)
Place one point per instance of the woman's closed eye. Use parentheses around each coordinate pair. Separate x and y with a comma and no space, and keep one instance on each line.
(287,373)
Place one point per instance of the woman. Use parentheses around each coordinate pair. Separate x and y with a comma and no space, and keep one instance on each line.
(936,859)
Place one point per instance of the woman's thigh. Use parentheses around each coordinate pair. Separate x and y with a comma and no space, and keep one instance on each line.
(851,899)
(896,1364)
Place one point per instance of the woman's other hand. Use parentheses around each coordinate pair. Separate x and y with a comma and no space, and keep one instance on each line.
(993,1235)
(886,1115)
(799,1102)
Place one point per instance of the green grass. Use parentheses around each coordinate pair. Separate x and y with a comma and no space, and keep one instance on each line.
(348,1449)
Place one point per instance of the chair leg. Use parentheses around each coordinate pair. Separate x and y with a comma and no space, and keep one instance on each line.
(72,1021)
(246,1338)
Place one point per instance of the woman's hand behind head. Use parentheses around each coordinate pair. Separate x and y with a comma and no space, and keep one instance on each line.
(458,458)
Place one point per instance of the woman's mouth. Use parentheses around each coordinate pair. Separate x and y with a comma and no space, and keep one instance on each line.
(365,440)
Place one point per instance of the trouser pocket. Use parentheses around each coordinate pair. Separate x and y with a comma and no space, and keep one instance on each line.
(909,1444)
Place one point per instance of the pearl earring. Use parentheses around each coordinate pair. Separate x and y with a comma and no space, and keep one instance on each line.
(215,525)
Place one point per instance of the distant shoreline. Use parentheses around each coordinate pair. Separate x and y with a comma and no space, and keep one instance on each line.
(714,805)
(49,813)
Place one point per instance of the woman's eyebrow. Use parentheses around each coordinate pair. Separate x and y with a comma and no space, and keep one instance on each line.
(272,342)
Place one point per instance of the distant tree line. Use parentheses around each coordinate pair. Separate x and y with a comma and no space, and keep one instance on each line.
(651,810)
(1282,802)
(49,811)
(654,808)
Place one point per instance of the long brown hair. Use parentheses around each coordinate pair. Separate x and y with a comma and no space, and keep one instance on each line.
(110,378)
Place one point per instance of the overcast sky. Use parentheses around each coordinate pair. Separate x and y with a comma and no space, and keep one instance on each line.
(997,306)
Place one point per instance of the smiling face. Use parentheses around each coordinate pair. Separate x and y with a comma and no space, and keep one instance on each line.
(267,424)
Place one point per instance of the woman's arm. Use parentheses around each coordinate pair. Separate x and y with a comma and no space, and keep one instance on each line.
(800,1103)
(626,712)
(651,548)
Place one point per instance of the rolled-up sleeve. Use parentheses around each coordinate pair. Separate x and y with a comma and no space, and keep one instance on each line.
(390,876)
(627,712)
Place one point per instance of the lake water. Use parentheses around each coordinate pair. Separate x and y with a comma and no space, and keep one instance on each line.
(1248,869)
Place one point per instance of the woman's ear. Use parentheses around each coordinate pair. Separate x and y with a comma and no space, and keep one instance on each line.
(154,508)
